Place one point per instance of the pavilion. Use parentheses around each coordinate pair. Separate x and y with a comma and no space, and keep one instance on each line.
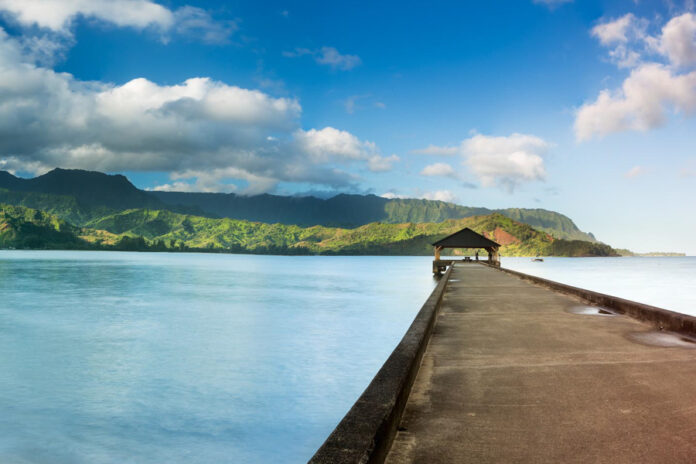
(465,238)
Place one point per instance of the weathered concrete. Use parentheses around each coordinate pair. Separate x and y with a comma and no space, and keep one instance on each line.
(365,434)
(659,317)
(511,374)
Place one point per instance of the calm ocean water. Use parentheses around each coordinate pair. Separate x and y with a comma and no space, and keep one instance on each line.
(665,282)
(195,358)
(191,358)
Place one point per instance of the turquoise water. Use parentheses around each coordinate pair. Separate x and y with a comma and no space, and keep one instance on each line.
(191,358)
(201,358)
(665,282)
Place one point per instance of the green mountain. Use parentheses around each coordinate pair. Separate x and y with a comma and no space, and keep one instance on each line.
(29,228)
(81,196)
(225,234)
(161,230)
(355,210)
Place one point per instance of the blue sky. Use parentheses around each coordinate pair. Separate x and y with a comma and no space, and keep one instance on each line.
(582,107)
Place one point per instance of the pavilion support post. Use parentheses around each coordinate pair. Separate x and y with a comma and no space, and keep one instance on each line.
(495,256)
(438,249)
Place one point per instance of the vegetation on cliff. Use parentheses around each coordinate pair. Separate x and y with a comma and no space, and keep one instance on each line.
(81,196)
(29,228)
(161,230)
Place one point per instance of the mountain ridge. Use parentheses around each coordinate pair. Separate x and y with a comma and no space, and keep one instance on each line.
(162,230)
(95,194)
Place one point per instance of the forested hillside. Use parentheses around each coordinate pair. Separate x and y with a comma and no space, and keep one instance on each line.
(161,230)
(81,196)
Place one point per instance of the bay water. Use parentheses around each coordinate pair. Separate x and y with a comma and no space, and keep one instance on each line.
(109,357)
(666,282)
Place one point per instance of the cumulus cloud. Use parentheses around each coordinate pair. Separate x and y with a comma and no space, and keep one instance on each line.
(328,56)
(506,161)
(181,186)
(642,103)
(619,30)
(393,196)
(660,81)
(439,170)
(678,40)
(58,16)
(330,144)
(440,195)
(622,35)
(200,129)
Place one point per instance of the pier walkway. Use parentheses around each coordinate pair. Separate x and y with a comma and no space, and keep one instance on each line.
(512,375)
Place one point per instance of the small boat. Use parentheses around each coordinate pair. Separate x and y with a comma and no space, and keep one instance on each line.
(540,260)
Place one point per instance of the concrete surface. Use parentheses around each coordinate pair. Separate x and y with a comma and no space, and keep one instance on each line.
(513,374)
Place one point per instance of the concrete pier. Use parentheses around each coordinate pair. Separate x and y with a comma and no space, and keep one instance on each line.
(516,372)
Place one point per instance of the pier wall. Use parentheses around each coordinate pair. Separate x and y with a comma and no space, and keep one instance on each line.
(366,432)
(662,319)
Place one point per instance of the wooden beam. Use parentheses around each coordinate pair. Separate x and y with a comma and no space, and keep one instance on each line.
(438,249)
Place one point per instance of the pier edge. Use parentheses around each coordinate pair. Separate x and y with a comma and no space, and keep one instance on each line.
(365,433)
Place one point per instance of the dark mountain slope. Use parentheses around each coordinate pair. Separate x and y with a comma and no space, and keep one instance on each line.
(87,187)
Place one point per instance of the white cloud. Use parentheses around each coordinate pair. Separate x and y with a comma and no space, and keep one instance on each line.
(641,104)
(678,41)
(439,170)
(623,34)
(506,161)
(440,195)
(333,144)
(437,151)
(58,16)
(635,171)
(618,30)
(654,88)
(200,129)
(381,163)
(631,41)
(393,196)
(213,180)
(328,56)
(192,187)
